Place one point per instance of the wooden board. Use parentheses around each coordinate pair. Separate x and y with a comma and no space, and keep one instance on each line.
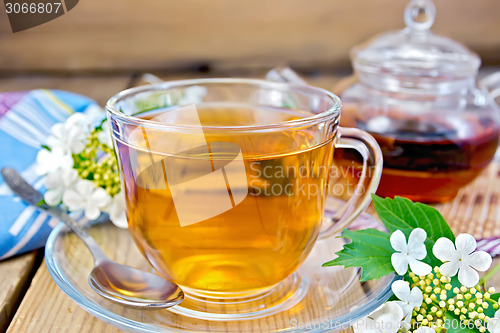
(326,80)
(47,309)
(14,274)
(130,35)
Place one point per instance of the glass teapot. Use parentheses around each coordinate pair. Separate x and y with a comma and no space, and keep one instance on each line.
(416,94)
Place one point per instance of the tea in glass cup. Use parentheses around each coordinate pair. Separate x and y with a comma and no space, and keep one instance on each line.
(226,196)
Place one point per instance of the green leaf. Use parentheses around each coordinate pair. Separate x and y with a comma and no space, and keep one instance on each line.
(401,213)
(41,203)
(370,249)
(405,215)
(490,311)
(495,296)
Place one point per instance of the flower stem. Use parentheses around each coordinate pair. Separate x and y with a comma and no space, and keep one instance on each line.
(489,275)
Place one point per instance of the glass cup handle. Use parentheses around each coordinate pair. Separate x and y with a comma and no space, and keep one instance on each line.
(366,145)
(350,138)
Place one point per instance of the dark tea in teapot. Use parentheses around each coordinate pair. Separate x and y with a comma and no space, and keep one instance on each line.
(430,160)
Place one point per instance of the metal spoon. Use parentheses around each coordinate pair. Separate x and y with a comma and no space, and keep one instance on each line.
(116,282)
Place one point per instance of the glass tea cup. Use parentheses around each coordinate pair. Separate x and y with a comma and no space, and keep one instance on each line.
(226,182)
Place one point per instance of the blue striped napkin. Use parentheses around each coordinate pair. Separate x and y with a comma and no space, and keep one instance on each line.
(25,121)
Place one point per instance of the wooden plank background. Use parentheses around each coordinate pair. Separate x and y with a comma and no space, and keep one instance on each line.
(120,35)
(14,279)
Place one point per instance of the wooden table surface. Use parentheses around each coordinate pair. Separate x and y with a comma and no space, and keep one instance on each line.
(31,302)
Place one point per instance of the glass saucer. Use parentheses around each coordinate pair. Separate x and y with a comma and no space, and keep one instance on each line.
(334,298)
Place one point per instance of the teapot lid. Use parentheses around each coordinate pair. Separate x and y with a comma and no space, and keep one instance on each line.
(415,58)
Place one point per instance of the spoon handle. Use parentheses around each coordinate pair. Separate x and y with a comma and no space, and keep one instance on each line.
(25,191)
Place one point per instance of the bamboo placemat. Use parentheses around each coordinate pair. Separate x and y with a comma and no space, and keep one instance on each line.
(476,208)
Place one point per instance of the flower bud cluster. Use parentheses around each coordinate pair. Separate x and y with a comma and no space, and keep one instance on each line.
(97,163)
(440,299)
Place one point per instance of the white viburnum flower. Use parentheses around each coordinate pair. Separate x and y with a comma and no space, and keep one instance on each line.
(494,323)
(53,160)
(78,119)
(409,253)
(86,196)
(116,210)
(425,329)
(409,300)
(57,182)
(93,114)
(460,257)
(69,136)
(386,319)
(104,136)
